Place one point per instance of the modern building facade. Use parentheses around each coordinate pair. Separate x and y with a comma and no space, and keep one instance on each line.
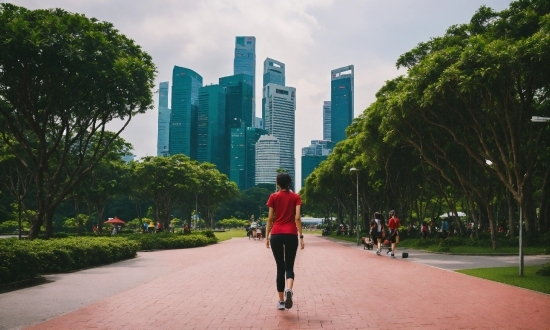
(238,98)
(163,124)
(211,126)
(279,121)
(341,97)
(242,155)
(274,73)
(268,155)
(183,118)
(313,155)
(245,62)
(326,120)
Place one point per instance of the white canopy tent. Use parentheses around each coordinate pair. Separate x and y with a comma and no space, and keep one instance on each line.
(450,214)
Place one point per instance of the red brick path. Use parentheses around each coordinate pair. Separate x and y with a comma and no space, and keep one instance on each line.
(231,285)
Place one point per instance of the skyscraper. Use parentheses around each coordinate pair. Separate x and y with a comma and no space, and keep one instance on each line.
(274,73)
(313,155)
(279,121)
(341,97)
(163,124)
(326,120)
(211,126)
(245,62)
(183,118)
(242,155)
(238,98)
(268,155)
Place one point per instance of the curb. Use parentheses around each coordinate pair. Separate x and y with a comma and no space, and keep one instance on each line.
(22,284)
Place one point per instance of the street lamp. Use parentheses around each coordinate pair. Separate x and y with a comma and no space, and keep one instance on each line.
(353,169)
(534,119)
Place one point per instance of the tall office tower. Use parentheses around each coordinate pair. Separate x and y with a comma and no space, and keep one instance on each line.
(280,108)
(341,97)
(242,155)
(238,98)
(183,119)
(313,155)
(258,122)
(274,73)
(163,132)
(245,62)
(268,155)
(326,120)
(211,126)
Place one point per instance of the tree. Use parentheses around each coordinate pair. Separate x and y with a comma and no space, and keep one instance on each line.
(63,77)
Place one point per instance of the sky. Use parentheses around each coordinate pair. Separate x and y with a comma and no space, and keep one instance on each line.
(312,37)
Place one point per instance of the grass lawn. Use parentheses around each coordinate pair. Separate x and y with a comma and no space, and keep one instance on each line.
(509,275)
(230,234)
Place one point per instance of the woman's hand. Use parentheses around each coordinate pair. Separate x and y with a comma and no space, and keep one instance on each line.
(302,244)
(267,242)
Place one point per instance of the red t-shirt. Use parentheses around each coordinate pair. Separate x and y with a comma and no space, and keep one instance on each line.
(284,204)
(394,223)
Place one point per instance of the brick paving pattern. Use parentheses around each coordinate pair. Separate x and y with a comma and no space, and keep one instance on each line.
(231,285)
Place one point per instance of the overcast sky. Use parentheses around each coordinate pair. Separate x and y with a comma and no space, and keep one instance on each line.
(311,37)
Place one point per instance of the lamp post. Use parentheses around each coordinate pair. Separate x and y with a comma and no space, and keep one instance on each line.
(534,119)
(353,169)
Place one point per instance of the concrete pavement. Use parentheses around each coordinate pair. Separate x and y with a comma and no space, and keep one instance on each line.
(231,285)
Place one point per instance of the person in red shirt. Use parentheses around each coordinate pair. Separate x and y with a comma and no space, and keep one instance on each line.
(394,224)
(284,226)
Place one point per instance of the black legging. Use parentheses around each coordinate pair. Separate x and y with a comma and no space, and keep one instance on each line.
(284,247)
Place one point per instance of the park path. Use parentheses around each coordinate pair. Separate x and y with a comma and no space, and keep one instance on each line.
(231,285)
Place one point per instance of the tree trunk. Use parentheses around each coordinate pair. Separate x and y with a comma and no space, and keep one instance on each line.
(492,226)
(49,222)
(511,215)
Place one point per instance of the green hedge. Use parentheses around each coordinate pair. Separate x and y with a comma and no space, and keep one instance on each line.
(173,241)
(21,260)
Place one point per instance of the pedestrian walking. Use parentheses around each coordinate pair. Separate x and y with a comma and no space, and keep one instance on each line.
(394,224)
(284,227)
(377,228)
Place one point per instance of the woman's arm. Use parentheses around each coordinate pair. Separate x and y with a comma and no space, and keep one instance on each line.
(268,226)
(298,220)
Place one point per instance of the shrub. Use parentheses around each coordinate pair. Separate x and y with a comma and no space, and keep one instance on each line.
(171,241)
(544,270)
(208,233)
(20,260)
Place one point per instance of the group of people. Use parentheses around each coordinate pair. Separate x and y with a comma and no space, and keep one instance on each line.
(378,229)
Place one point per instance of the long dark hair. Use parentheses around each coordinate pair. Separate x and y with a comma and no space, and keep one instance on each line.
(284,180)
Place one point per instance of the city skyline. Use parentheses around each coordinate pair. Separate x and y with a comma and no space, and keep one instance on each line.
(310,37)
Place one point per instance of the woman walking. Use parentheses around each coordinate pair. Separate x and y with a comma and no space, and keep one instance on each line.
(394,224)
(378,228)
(282,235)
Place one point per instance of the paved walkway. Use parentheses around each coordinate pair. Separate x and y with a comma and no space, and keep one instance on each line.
(231,285)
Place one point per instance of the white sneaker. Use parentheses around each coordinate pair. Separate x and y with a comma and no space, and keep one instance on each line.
(378,252)
(281,305)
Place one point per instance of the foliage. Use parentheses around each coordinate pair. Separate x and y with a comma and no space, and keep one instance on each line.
(8,227)
(544,270)
(233,223)
(63,78)
(171,241)
(24,259)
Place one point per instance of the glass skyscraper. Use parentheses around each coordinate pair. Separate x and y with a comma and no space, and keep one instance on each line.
(274,73)
(326,120)
(163,124)
(341,97)
(211,126)
(245,62)
(313,155)
(279,121)
(242,155)
(183,118)
(238,98)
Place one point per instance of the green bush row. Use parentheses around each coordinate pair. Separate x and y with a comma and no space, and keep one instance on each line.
(166,241)
(20,260)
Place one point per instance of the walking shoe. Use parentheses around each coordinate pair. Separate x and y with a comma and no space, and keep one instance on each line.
(288,299)
(281,305)
(378,252)
(392,256)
